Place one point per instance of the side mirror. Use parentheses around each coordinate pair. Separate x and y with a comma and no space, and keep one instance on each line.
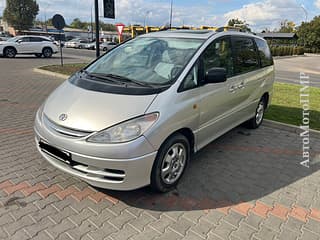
(216,75)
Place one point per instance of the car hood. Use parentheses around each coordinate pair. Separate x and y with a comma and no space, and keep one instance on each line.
(92,111)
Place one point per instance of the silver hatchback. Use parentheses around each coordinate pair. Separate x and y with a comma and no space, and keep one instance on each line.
(135,116)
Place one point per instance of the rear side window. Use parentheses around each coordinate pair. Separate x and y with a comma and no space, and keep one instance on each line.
(264,53)
(245,55)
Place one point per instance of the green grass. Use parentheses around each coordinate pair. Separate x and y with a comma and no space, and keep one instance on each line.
(67,69)
(285,106)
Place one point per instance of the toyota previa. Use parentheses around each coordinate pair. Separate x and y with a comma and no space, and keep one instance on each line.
(134,116)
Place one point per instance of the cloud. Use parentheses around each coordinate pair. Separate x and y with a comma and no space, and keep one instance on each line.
(156,12)
(268,13)
(317,3)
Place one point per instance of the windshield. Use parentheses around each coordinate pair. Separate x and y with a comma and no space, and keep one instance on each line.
(157,61)
(14,39)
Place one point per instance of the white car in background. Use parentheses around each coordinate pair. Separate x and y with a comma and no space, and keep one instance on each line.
(37,45)
(106,46)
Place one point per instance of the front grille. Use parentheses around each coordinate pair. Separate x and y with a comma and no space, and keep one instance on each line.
(63,130)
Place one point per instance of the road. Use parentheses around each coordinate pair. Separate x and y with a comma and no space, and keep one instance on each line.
(287,69)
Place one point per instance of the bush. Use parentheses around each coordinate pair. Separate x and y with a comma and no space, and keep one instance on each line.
(288,50)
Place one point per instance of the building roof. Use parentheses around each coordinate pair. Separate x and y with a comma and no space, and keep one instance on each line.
(278,35)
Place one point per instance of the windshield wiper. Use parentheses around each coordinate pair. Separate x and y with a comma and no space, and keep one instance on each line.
(100,76)
(128,80)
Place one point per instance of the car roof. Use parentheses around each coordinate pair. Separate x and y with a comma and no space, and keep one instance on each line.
(197,34)
(192,34)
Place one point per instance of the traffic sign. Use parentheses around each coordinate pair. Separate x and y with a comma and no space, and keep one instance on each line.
(120,27)
(58,22)
(108,9)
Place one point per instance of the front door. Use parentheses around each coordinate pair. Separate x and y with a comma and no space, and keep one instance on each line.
(219,101)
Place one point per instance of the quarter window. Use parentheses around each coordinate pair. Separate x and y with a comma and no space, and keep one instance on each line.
(246,57)
(264,53)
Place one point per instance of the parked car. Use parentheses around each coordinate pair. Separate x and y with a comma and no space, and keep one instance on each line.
(76,43)
(37,45)
(90,46)
(106,46)
(136,115)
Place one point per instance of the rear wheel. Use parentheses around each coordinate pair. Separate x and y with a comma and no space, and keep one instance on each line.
(257,120)
(9,52)
(170,163)
(105,49)
(47,52)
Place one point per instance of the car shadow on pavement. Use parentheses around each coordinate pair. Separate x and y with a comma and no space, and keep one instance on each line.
(241,166)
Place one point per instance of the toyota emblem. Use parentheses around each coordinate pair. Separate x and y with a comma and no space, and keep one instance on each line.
(63,117)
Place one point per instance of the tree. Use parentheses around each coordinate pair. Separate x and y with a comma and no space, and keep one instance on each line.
(309,33)
(239,23)
(76,23)
(20,14)
(287,27)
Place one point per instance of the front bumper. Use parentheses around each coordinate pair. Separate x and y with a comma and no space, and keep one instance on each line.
(126,168)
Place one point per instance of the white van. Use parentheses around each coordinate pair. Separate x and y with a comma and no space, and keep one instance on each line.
(134,116)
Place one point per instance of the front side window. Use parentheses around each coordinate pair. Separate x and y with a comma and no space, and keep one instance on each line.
(156,61)
(219,55)
(245,54)
(264,53)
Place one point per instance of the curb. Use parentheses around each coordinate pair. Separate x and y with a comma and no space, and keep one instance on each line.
(289,128)
(52,74)
(287,57)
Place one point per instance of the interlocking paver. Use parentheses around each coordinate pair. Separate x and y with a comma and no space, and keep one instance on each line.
(244,231)
(287,234)
(125,233)
(102,232)
(224,229)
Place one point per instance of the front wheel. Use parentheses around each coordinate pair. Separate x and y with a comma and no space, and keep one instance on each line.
(47,52)
(170,163)
(10,52)
(257,120)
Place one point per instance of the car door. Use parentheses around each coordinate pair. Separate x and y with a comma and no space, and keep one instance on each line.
(248,72)
(219,101)
(36,44)
(23,45)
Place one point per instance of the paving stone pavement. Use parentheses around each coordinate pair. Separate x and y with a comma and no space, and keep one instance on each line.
(248,184)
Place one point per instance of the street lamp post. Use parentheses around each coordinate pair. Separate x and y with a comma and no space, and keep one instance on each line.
(170,25)
(96,10)
(145,18)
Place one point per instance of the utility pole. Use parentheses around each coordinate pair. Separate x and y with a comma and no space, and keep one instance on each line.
(96,10)
(170,25)
(91,24)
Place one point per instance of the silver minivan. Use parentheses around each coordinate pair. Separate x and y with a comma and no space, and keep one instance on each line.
(134,116)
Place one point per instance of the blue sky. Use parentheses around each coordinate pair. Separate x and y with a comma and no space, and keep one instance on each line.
(259,14)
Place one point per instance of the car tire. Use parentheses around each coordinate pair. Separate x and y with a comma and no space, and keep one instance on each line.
(257,120)
(105,49)
(38,55)
(47,52)
(10,52)
(170,163)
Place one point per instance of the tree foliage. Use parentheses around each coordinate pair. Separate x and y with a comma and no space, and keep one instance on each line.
(77,23)
(309,33)
(287,27)
(21,13)
(235,22)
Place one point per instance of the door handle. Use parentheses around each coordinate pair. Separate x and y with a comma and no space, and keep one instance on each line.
(241,85)
(232,89)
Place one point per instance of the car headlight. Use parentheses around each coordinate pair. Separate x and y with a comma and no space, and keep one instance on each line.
(126,131)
